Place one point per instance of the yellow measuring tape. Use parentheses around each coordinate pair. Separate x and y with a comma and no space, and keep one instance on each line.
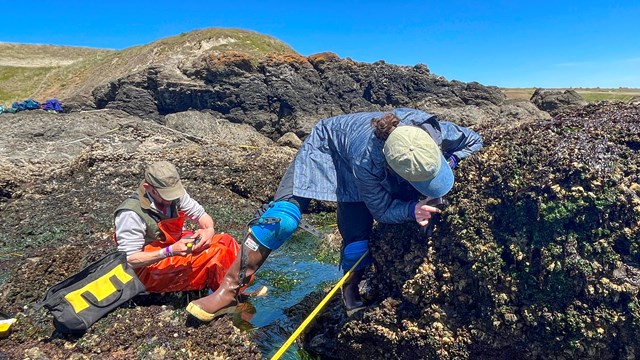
(315,311)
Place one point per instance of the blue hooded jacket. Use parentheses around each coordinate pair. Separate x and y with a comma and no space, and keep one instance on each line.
(342,160)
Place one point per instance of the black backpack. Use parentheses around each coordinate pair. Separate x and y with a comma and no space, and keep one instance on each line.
(82,299)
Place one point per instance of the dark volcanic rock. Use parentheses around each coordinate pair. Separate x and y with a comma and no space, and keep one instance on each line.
(283,93)
(554,101)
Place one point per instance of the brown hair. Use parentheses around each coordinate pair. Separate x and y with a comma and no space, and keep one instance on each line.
(384,125)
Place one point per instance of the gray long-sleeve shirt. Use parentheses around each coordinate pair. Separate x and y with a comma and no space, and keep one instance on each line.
(130,228)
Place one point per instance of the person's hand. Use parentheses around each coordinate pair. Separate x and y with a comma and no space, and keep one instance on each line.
(423,212)
(205,239)
(182,247)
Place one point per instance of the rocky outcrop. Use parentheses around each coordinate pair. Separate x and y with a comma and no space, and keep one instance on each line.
(283,93)
(62,175)
(554,101)
(208,128)
(536,256)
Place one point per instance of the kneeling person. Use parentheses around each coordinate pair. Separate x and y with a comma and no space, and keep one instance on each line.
(166,257)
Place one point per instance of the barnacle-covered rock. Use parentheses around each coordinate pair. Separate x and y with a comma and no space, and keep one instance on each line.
(536,257)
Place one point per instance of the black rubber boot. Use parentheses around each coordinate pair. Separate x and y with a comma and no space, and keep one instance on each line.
(351,293)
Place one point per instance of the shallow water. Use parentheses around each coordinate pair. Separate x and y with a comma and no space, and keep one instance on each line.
(290,273)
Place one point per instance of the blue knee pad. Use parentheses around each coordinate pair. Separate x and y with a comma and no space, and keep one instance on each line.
(277,224)
(352,253)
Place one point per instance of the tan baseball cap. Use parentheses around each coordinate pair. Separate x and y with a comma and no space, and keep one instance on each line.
(414,155)
(163,176)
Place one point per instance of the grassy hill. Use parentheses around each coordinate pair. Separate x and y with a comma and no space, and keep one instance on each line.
(24,69)
(43,71)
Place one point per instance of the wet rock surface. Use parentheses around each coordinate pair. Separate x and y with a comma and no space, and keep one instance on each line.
(57,218)
(535,257)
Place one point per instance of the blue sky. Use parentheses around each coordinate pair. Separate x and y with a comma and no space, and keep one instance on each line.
(504,43)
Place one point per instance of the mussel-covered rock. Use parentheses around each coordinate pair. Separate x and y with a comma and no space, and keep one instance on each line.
(537,255)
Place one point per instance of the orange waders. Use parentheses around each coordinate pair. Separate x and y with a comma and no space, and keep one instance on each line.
(194,271)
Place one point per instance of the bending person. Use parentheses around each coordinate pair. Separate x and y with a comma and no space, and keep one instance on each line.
(376,166)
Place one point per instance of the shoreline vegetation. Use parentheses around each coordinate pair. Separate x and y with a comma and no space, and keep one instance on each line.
(590,95)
